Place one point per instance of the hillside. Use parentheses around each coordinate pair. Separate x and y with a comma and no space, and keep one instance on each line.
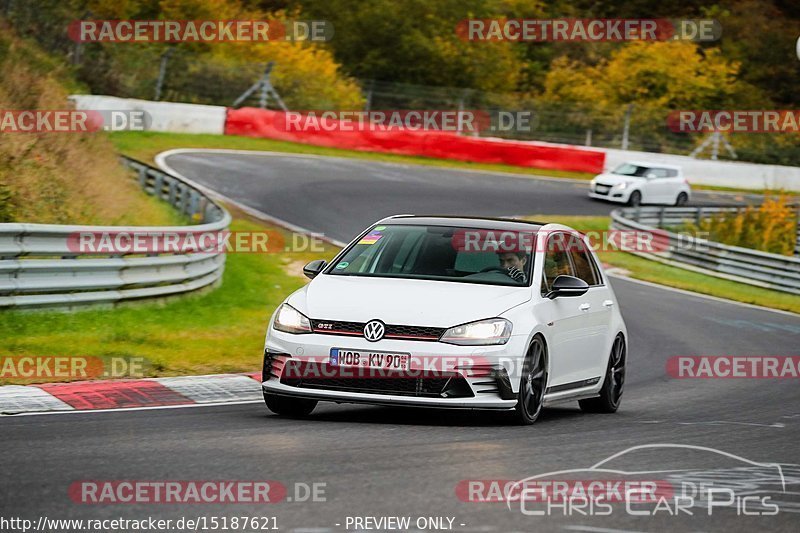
(61,177)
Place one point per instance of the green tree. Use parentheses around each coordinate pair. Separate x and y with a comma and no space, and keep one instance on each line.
(415,41)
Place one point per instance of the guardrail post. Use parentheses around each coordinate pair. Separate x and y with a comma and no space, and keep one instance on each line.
(173,186)
(194,202)
(181,200)
(661,217)
(158,185)
(699,215)
(143,177)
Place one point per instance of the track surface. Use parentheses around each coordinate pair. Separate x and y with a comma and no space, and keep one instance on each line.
(380,461)
(340,196)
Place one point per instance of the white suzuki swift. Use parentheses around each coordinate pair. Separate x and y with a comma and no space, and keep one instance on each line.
(636,183)
(450,312)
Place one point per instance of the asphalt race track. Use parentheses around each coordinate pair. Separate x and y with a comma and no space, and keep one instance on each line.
(378,461)
(339,197)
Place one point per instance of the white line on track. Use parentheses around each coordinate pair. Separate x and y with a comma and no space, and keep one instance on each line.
(151,408)
(599,529)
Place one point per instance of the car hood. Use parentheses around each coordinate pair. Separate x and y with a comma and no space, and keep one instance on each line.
(404,301)
(615,179)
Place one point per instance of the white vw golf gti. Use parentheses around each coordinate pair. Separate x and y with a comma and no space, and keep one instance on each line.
(450,313)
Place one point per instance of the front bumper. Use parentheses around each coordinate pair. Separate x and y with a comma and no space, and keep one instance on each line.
(471,377)
(612,196)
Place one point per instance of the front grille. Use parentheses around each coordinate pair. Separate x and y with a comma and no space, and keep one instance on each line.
(393,331)
(306,375)
(602,190)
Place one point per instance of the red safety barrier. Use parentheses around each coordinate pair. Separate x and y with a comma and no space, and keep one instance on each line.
(252,122)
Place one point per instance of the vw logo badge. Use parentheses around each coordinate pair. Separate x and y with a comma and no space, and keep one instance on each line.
(374,330)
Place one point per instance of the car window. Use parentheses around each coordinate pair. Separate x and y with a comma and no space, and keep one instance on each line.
(556,260)
(629,169)
(671,173)
(441,253)
(581,261)
(658,172)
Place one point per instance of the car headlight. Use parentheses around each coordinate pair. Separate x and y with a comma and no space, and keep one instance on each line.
(623,185)
(290,320)
(480,333)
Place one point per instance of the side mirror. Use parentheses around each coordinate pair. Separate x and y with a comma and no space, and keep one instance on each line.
(566,286)
(313,268)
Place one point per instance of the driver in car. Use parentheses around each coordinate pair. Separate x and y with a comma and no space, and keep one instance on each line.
(514,263)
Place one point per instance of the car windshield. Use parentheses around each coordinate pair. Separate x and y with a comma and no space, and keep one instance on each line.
(628,169)
(444,253)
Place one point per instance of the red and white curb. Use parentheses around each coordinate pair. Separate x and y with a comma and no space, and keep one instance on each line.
(130,393)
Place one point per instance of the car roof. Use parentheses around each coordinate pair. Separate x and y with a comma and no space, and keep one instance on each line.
(650,164)
(465,222)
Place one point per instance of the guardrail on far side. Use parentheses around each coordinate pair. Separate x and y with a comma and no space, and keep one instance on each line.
(754,267)
(40,269)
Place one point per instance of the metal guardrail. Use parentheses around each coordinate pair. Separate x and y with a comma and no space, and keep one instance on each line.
(754,267)
(39,267)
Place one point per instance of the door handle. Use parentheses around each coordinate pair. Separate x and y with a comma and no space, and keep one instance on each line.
(585,307)
(608,303)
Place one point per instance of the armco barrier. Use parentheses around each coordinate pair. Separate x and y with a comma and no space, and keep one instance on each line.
(254,122)
(39,268)
(778,272)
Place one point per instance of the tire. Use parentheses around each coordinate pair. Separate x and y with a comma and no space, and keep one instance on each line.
(635,199)
(681,199)
(611,392)
(290,407)
(532,384)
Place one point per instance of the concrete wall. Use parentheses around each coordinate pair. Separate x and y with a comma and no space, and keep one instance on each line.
(164,116)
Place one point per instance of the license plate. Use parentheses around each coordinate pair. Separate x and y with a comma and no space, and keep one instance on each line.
(344,357)
(601,188)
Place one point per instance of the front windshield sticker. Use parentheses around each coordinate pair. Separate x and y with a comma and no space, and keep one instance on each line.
(342,265)
(372,238)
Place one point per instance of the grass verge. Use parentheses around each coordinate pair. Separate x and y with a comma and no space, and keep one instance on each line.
(653,271)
